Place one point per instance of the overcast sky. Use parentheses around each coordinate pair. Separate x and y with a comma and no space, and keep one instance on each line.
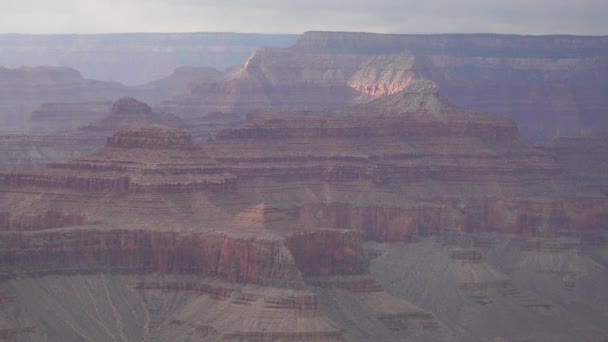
(296,16)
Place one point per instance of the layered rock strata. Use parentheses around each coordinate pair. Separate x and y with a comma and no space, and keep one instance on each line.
(152,168)
(550,85)
(406,166)
(258,233)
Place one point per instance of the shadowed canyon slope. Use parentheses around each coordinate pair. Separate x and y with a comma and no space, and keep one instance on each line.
(405,218)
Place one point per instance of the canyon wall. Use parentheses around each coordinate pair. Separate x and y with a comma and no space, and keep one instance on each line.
(233,259)
(550,85)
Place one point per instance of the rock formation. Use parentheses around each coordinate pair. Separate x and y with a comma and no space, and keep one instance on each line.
(283,78)
(550,85)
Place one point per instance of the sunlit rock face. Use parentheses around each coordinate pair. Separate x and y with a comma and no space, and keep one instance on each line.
(550,85)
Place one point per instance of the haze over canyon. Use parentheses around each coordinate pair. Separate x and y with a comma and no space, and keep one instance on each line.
(327,186)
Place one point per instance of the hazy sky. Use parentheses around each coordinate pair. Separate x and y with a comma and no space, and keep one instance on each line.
(295,16)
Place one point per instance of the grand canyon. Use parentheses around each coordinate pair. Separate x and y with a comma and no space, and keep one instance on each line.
(328,186)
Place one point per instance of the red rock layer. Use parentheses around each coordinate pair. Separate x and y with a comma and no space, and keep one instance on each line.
(526,217)
(89,250)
